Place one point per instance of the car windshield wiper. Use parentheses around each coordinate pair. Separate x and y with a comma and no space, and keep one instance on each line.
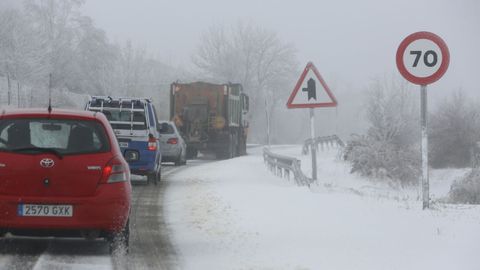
(39,149)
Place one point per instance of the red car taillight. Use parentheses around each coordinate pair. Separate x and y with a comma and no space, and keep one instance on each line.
(152,143)
(115,171)
(172,141)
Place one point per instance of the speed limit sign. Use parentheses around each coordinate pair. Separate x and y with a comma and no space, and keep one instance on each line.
(423,58)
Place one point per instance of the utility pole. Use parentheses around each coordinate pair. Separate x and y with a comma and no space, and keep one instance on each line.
(267,116)
(268,122)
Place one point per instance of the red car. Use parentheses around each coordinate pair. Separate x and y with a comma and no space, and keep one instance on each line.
(62,174)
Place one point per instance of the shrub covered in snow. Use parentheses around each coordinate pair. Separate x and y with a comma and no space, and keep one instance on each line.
(466,190)
(453,132)
(383,160)
(390,149)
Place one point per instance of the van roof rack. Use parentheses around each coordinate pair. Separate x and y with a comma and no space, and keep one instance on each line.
(123,99)
(100,103)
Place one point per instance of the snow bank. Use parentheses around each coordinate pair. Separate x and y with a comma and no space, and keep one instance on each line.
(235,214)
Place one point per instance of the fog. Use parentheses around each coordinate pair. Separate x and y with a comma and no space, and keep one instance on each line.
(349,41)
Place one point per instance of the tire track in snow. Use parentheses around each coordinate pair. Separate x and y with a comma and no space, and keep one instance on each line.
(150,244)
(21,253)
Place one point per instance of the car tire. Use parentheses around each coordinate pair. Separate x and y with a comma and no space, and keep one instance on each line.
(119,242)
(151,178)
(184,160)
(179,160)
(158,176)
(192,153)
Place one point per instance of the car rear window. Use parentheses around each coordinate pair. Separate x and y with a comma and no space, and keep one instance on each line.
(166,128)
(62,136)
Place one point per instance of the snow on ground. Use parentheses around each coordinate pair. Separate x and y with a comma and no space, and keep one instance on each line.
(235,214)
(335,174)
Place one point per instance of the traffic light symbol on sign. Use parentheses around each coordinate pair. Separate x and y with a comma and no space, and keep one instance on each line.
(311,89)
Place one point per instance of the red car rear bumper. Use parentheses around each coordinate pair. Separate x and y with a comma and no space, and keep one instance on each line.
(107,210)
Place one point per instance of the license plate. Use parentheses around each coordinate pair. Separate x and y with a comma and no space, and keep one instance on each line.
(45,210)
(123,144)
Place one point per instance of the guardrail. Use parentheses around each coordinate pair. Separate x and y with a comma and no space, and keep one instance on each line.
(286,167)
(324,141)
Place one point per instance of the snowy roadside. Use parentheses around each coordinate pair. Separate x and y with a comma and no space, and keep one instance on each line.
(235,214)
(334,174)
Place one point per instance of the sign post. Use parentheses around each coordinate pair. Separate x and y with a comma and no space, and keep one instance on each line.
(422,58)
(314,145)
(310,98)
(425,180)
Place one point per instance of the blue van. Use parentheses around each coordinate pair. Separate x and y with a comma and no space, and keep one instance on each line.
(135,123)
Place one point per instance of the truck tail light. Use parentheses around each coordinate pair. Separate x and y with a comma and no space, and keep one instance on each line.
(152,143)
(115,171)
(172,141)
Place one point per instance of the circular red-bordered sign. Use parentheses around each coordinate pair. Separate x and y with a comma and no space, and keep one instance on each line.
(422,58)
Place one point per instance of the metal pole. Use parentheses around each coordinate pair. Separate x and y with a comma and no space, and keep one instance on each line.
(50,93)
(425,181)
(314,145)
(18,94)
(268,119)
(9,94)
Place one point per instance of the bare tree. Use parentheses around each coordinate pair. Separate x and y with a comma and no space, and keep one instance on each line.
(392,112)
(55,23)
(253,56)
(390,148)
(18,56)
(94,59)
(45,37)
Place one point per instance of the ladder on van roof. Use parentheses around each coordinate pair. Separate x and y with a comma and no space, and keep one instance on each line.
(136,104)
(140,102)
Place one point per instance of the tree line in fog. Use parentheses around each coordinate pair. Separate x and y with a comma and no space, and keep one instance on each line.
(43,38)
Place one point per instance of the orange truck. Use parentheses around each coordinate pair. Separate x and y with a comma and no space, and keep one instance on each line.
(211,117)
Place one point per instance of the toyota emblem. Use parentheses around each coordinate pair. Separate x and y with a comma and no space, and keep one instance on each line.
(47,163)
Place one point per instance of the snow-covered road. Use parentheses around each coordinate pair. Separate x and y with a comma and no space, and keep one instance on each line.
(234,214)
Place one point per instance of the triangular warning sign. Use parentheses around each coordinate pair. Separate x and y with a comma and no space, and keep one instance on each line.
(311,91)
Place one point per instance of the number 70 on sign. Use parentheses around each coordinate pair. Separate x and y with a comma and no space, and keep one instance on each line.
(422,58)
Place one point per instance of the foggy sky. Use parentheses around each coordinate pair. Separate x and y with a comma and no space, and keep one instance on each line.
(349,41)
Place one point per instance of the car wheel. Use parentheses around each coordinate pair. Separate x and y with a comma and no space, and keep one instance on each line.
(151,178)
(179,161)
(192,153)
(184,160)
(119,242)
(158,176)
